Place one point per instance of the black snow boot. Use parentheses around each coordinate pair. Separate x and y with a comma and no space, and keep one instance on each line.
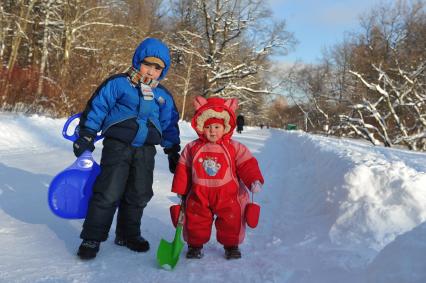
(194,252)
(139,244)
(232,252)
(88,249)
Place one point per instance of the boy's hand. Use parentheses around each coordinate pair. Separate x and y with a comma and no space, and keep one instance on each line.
(86,141)
(256,187)
(173,157)
(173,161)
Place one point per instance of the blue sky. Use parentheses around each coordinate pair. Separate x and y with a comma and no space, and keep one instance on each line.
(319,23)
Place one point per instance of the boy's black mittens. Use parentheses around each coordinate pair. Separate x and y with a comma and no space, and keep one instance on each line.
(173,157)
(85,141)
(173,161)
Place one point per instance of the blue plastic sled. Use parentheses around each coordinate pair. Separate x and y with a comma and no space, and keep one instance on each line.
(70,191)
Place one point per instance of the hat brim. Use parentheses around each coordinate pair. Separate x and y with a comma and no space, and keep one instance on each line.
(154,60)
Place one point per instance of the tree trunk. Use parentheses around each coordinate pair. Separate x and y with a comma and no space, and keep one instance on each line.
(16,42)
(187,85)
(24,15)
(44,51)
(3,27)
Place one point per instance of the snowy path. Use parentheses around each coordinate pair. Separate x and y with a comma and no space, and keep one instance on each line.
(332,211)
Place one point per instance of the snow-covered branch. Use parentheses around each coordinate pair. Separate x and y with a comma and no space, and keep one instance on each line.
(396,105)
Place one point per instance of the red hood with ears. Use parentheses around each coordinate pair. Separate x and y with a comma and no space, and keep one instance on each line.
(214,107)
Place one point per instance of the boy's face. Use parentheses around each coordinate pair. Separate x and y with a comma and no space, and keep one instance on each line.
(150,70)
(214,132)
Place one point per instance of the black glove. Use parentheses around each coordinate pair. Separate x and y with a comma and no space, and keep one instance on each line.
(173,161)
(173,157)
(85,141)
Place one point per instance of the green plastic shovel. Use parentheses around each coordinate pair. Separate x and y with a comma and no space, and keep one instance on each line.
(168,253)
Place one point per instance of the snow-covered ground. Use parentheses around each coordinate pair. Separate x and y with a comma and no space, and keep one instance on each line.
(333,210)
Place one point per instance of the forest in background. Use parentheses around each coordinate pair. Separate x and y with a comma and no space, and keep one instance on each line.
(372,85)
(55,52)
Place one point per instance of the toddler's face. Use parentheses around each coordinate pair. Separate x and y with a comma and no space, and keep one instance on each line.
(214,132)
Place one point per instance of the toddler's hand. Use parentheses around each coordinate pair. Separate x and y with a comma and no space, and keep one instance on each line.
(256,187)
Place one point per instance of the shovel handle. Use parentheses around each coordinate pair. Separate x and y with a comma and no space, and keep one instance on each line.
(181,213)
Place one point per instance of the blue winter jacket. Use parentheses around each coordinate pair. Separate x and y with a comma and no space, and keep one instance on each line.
(118,103)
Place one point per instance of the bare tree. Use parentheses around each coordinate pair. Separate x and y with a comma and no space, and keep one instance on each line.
(22,20)
(398,116)
(229,45)
(47,33)
(5,24)
(17,21)
(78,22)
(58,43)
(184,82)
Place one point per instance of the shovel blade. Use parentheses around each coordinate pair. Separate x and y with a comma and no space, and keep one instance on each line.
(168,253)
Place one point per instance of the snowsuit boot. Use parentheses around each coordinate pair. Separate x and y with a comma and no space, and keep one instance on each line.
(137,244)
(88,249)
(232,252)
(194,252)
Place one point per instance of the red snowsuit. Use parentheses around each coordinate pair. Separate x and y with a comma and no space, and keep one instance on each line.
(209,174)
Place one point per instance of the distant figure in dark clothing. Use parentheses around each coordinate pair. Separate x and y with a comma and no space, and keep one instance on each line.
(240,123)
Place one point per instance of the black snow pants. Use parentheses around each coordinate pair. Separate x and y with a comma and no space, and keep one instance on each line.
(125,181)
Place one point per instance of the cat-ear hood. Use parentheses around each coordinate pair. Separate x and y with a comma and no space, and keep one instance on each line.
(214,107)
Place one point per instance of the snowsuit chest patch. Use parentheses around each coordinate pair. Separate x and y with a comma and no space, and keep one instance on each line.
(211,166)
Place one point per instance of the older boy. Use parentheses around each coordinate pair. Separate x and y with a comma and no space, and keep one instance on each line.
(134,113)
